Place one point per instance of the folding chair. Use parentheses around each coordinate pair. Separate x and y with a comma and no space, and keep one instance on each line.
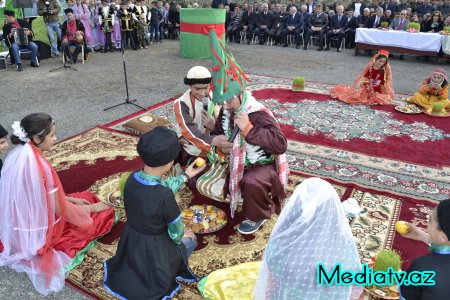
(64,59)
(335,39)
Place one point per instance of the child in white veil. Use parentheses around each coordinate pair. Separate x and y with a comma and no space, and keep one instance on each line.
(38,221)
(311,229)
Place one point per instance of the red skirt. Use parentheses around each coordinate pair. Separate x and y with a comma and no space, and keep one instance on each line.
(349,95)
(76,238)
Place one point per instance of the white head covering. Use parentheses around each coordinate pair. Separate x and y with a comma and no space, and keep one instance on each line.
(25,216)
(311,229)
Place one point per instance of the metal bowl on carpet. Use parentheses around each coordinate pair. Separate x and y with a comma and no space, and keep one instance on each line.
(115,199)
(408,109)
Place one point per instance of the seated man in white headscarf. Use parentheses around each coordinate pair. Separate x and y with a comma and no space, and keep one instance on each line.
(312,229)
(195,116)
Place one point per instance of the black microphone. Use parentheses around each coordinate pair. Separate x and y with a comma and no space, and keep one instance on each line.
(233,134)
(205,102)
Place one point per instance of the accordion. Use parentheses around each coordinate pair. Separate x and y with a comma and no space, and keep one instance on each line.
(20,37)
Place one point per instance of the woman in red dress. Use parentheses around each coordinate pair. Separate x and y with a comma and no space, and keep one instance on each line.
(373,86)
(41,228)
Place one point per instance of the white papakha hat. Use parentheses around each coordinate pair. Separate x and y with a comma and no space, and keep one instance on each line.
(198,75)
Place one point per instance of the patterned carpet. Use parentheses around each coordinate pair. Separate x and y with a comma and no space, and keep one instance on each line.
(95,159)
(360,150)
(375,148)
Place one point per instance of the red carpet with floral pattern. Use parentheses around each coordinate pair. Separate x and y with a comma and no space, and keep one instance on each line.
(393,164)
(96,159)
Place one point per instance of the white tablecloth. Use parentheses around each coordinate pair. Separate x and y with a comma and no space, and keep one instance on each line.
(420,41)
(446,44)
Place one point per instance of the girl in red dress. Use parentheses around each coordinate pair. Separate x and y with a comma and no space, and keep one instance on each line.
(372,86)
(42,228)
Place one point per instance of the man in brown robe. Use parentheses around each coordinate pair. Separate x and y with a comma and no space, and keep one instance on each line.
(260,186)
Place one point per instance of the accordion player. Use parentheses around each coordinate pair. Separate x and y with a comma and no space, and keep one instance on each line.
(18,36)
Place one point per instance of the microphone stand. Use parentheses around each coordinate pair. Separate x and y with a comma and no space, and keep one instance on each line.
(65,66)
(127,100)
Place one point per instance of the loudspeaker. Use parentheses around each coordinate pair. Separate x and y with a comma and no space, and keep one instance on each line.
(3,65)
(45,51)
(23,3)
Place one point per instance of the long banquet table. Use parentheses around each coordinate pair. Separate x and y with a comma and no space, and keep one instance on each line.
(402,42)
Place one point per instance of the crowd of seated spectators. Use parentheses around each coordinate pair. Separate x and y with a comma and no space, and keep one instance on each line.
(284,22)
(297,21)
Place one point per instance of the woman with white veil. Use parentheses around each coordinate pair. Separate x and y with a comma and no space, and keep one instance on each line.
(42,228)
(311,229)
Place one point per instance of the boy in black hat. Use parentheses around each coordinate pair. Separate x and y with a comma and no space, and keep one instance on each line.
(3,145)
(70,30)
(152,254)
(438,261)
(11,24)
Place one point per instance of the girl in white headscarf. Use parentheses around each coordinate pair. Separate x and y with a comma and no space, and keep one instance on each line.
(311,229)
(42,228)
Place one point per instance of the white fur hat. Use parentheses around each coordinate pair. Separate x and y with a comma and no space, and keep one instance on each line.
(198,74)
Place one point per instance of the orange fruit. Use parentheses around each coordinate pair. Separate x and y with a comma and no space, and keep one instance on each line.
(200,162)
(401,227)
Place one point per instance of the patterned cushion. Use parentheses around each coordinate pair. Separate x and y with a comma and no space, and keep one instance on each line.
(145,123)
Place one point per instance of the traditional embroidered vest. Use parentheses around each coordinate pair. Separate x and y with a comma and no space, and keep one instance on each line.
(106,12)
(126,24)
(195,111)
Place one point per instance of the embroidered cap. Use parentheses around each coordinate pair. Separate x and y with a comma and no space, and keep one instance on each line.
(198,75)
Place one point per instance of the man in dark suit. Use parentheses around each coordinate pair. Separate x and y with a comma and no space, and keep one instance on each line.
(425,8)
(310,6)
(352,24)
(362,19)
(174,19)
(278,24)
(305,14)
(338,25)
(375,21)
(392,6)
(357,7)
(400,23)
(249,22)
(263,24)
(403,5)
(292,3)
(294,25)
(317,25)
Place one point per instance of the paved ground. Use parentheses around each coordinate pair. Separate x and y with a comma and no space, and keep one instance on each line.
(76,99)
